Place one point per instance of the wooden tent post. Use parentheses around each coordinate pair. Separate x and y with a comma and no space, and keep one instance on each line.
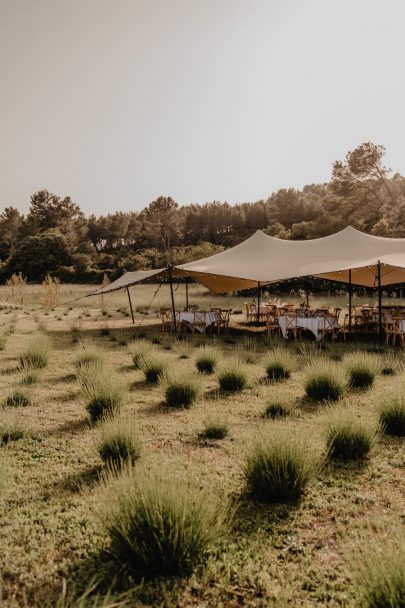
(307,293)
(380,325)
(350,301)
(258,301)
(169,268)
(130,305)
(186,293)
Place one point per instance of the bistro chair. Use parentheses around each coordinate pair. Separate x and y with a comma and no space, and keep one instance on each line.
(250,312)
(389,330)
(292,327)
(336,313)
(399,329)
(272,324)
(222,322)
(166,316)
(199,321)
(328,327)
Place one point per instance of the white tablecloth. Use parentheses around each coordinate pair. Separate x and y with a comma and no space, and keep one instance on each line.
(313,324)
(188,316)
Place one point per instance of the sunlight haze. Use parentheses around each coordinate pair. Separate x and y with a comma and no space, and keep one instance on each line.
(117,102)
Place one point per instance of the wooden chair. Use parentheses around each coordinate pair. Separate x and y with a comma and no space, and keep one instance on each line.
(221,323)
(328,327)
(336,313)
(399,330)
(389,330)
(199,321)
(344,329)
(273,325)
(166,316)
(319,312)
(292,327)
(250,312)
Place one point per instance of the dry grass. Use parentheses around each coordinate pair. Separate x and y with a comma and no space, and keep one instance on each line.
(274,556)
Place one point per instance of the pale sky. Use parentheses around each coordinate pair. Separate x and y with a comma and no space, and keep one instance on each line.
(115,102)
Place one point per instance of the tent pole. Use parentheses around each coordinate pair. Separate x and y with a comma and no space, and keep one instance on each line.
(130,305)
(350,301)
(172,297)
(380,326)
(258,301)
(307,293)
(186,293)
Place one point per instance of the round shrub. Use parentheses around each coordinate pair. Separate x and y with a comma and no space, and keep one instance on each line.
(232,379)
(214,429)
(10,431)
(159,524)
(377,566)
(279,466)
(139,353)
(181,391)
(119,442)
(103,391)
(206,360)
(362,369)
(278,365)
(88,355)
(348,437)
(36,354)
(392,414)
(277,409)
(325,381)
(154,368)
(18,399)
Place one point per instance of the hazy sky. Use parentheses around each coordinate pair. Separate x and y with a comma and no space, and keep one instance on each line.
(116,102)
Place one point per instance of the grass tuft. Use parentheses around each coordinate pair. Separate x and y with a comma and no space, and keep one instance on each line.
(18,398)
(207,360)
(232,378)
(392,412)
(325,381)
(349,437)
(182,390)
(377,566)
(214,428)
(88,354)
(159,524)
(139,353)
(10,430)
(36,355)
(119,441)
(103,391)
(278,409)
(362,369)
(278,364)
(279,466)
(154,368)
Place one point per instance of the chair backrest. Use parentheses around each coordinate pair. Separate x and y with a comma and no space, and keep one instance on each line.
(327,323)
(225,314)
(291,320)
(198,317)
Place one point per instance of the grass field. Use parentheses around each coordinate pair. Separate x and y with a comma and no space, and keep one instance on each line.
(53,544)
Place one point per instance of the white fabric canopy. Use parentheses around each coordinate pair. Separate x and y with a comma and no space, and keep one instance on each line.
(265,259)
(130,278)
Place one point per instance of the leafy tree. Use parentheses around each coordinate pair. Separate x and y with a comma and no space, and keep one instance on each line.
(10,224)
(363,169)
(38,255)
(163,222)
(48,211)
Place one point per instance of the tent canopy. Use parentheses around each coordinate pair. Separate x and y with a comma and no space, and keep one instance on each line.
(264,259)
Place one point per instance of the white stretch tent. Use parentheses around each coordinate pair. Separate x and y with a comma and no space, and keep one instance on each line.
(262,259)
(349,256)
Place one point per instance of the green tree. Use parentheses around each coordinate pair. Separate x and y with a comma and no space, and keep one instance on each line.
(48,211)
(38,255)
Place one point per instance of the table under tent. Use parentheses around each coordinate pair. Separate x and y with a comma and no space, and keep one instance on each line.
(348,256)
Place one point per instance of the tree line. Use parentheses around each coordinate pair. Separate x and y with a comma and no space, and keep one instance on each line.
(55,237)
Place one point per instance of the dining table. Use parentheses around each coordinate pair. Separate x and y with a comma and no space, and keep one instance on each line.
(313,324)
(205,318)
